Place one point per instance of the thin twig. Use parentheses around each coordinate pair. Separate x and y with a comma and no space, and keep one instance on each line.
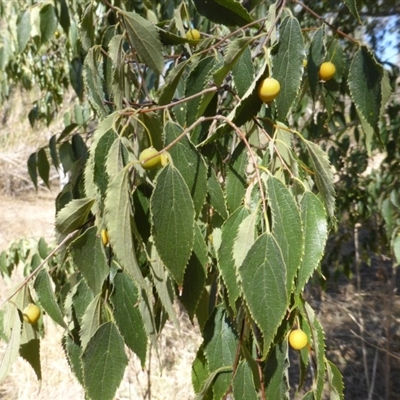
(39,267)
(337,30)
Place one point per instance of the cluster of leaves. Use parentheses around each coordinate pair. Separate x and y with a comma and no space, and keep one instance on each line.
(233,226)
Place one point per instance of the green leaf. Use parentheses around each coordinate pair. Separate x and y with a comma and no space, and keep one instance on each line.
(365,84)
(101,152)
(245,238)
(216,197)
(156,127)
(12,328)
(144,38)
(73,216)
(396,248)
(104,362)
(125,297)
(276,372)
(30,352)
(318,346)
(44,290)
(73,353)
(48,22)
(172,213)
(315,59)
(226,12)
(200,371)
(315,231)
(243,72)
(87,32)
(243,383)
(323,175)
(32,169)
(118,87)
(263,275)
(118,217)
(187,159)
(352,6)
(43,166)
(163,285)
(81,298)
(167,92)
(75,77)
(245,109)
(117,158)
(195,274)
(288,64)
(226,261)
(91,320)
(197,79)
(94,76)
(90,259)
(236,181)
(286,228)
(335,379)
(63,14)
(220,347)
(23,30)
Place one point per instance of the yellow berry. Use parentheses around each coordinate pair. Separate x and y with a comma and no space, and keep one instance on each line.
(104,237)
(31,313)
(153,162)
(268,89)
(327,71)
(193,34)
(298,339)
(305,63)
(164,159)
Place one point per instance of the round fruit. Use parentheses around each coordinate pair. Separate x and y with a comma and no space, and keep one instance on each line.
(327,71)
(31,313)
(153,162)
(193,34)
(268,89)
(164,159)
(298,339)
(104,237)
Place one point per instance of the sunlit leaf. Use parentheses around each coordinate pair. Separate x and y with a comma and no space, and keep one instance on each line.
(125,297)
(263,275)
(47,298)
(144,37)
(243,383)
(220,349)
(104,362)
(287,64)
(323,175)
(90,259)
(172,214)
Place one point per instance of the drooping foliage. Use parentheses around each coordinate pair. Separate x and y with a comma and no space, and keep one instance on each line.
(232,223)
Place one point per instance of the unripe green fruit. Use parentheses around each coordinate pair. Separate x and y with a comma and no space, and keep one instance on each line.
(268,89)
(31,313)
(327,71)
(193,34)
(153,162)
(298,339)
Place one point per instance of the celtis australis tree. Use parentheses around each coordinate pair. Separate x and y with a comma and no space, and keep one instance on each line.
(228,212)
